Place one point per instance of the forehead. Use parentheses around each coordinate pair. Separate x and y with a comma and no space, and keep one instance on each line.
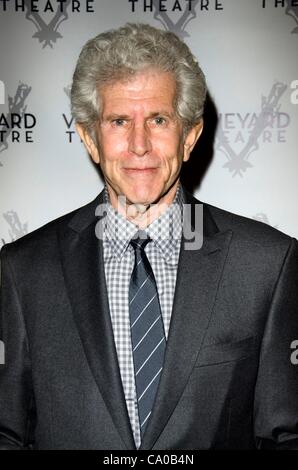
(149,89)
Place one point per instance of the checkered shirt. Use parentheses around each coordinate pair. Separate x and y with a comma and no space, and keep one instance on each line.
(163,255)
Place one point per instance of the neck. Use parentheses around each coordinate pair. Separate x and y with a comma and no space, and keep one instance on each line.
(139,214)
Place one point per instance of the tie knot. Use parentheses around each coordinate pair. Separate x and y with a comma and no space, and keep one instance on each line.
(140,240)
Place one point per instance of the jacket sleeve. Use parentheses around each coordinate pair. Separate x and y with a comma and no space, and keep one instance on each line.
(276,392)
(16,393)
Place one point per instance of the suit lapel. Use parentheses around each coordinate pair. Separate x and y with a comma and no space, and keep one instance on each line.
(198,276)
(82,260)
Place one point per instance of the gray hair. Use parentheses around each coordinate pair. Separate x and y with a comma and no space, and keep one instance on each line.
(118,54)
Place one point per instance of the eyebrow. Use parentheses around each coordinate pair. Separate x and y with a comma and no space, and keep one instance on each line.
(162,113)
(112,116)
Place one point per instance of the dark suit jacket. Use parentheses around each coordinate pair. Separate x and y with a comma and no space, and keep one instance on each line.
(227,381)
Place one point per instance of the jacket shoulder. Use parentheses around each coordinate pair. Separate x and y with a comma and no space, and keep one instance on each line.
(244,228)
(45,235)
(248,230)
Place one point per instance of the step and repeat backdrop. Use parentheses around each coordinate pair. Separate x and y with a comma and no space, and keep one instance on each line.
(248,50)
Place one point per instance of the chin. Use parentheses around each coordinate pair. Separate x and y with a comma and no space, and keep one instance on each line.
(143,197)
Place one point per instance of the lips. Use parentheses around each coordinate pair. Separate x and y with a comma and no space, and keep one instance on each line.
(140,170)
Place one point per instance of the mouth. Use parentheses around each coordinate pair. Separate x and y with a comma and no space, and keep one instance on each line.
(136,171)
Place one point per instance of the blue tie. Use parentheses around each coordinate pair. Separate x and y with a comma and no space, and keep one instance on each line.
(147,330)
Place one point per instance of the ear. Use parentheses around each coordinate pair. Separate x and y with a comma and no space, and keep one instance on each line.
(88,142)
(191,139)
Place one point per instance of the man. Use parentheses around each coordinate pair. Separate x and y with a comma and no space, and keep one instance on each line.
(119,332)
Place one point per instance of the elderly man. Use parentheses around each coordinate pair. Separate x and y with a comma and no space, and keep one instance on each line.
(119,333)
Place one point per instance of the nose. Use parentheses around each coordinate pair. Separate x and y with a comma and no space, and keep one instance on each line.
(139,140)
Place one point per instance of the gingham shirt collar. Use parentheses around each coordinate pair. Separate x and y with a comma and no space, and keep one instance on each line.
(164,231)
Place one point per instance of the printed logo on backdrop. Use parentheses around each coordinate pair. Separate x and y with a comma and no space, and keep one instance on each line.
(294,93)
(16,125)
(2,99)
(2,92)
(290,7)
(292,10)
(239,136)
(16,228)
(262,217)
(68,119)
(175,14)
(47,15)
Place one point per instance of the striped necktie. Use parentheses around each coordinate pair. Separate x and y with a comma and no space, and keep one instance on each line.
(147,330)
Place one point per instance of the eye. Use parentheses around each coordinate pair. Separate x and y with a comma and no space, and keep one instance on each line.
(159,120)
(118,122)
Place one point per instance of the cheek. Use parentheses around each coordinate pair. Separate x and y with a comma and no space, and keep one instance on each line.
(112,151)
(171,151)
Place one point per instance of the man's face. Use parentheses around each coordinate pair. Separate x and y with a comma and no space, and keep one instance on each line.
(141,147)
